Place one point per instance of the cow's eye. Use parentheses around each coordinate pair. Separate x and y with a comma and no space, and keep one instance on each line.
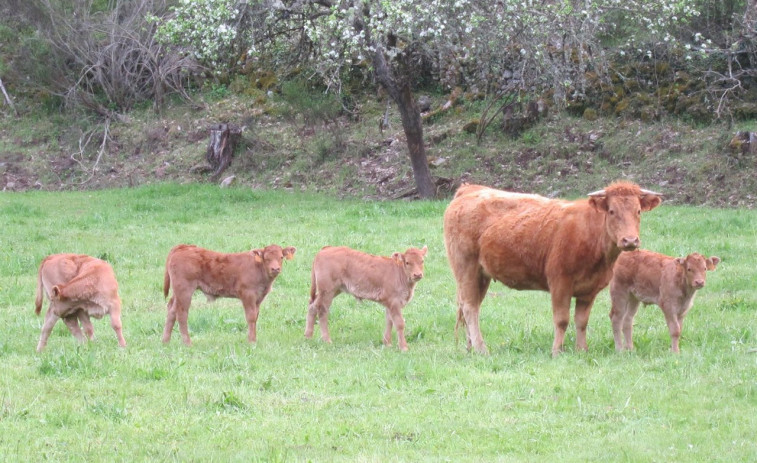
(612,211)
(638,212)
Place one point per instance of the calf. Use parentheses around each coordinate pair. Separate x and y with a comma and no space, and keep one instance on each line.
(78,286)
(652,278)
(389,281)
(247,276)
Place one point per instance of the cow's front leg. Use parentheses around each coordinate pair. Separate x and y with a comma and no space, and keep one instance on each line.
(47,327)
(581,318)
(251,310)
(674,327)
(72,322)
(560,316)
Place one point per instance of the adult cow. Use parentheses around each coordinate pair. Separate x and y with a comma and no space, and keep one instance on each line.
(528,241)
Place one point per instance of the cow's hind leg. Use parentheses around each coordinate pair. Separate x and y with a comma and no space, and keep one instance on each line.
(180,308)
(47,327)
(471,289)
(72,322)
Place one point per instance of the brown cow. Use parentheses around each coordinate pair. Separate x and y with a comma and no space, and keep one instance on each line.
(652,278)
(389,281)
(528,241)
(247,276)
(78,286)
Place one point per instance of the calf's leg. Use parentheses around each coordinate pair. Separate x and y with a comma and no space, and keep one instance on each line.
(72,322)
(47,327)
(86,324)
(251,311)
(632,308)
(674,327)
(170,320)
(399,326)
(115,322)
(388,329)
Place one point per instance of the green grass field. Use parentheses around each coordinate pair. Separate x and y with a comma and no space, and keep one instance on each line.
(291,399)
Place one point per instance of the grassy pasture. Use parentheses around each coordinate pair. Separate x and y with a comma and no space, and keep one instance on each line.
(291,399)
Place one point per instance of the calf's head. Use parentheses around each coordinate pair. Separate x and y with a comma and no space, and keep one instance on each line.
(272,256)
(411,262)
(695,268)
(622,203)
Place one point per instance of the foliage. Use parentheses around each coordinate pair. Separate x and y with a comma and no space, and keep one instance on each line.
(291,399)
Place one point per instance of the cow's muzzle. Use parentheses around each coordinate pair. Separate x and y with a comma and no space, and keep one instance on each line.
(417,276)
(629,244)
(698,284)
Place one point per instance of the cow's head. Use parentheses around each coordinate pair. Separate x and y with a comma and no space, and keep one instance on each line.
(411,262)
(272,256)
(623,203)
(695,268)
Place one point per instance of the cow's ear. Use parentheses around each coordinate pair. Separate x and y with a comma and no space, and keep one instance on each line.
(257,254)
(712,262)
(599,203)
(424,250)
(680,260)
(397,257)
(649,202)
(56,292)
(289,252)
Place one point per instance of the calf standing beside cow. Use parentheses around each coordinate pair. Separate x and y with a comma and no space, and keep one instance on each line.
(525,241)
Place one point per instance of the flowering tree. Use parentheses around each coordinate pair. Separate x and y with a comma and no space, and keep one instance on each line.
(489,46)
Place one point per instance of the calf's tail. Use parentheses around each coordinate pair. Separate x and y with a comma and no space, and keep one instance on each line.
(312,285)
(166,280)
(40,287)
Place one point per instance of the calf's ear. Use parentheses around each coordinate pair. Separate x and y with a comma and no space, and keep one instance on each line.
(712,262)
(424,250)
(257,254)
(397,257)
(289,252)
(56,292)
(680,260)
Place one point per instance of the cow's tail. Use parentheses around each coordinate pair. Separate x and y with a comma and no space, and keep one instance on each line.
(40,288)
(166,278)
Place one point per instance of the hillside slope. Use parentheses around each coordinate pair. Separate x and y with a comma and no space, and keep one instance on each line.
(290,148)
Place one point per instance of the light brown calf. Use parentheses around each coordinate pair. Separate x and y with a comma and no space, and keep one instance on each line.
(247,276)
(389,281)
(652,278)
(78,286)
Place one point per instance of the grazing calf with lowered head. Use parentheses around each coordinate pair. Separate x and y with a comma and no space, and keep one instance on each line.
(79,287)
(389,281)
(652,278)
(247,276)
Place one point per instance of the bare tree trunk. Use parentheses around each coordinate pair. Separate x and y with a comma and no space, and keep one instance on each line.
(223,140)
(411,123)
(8,98)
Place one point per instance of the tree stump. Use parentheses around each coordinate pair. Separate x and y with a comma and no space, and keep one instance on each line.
(223,141)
